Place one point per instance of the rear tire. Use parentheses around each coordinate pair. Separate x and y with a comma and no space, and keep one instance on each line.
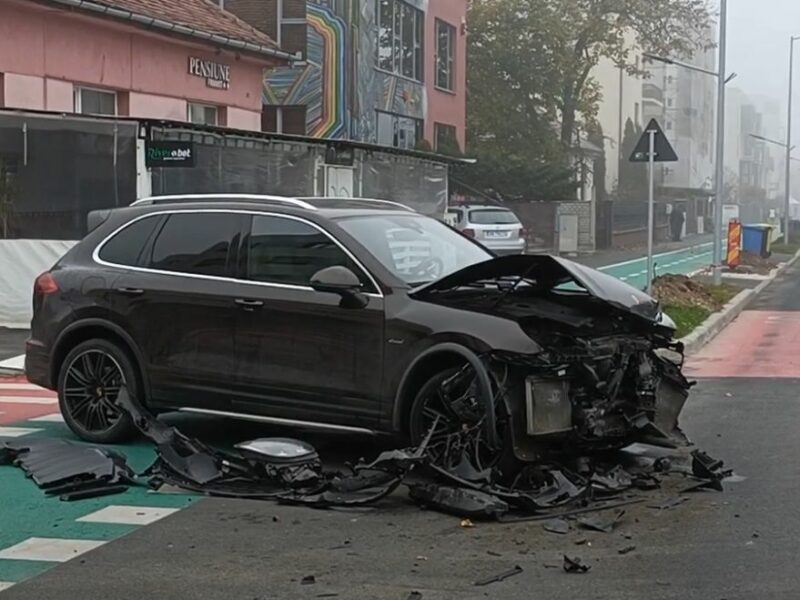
(89,381)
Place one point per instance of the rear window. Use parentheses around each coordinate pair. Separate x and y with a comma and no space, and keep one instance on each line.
(196,243)
(492,217)
(126,247)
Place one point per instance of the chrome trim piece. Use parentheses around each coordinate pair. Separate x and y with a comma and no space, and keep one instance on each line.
(245,197)
(96,252)
(277,420)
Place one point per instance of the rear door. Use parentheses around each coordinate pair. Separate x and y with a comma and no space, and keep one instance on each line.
(177,303)
(300,355)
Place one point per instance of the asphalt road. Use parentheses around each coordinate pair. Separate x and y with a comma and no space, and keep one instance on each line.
(739,544)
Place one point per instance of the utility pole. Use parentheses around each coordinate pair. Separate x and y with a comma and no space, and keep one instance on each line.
(651,159)
(788,200)
(720,158)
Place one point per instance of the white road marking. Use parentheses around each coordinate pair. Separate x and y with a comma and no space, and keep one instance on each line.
(4,585)
(23,386)
(15,364)
(127,515)
(53,418)
(49,549)
(16,431)
(27,400)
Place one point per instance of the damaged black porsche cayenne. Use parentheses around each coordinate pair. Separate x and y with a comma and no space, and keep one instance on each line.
(349,315)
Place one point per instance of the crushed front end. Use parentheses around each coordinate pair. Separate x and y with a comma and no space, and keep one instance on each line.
(607,373)
(592,394)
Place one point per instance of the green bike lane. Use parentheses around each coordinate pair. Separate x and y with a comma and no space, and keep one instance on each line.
(681,261)
(38,532)
(27,514)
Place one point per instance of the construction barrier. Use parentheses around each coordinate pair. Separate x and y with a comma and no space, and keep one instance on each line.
(734,257)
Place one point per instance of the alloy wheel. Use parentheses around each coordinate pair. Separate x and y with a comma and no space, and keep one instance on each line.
(91,386)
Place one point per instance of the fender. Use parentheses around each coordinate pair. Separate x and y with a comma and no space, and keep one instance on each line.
(111,327)
(484,383)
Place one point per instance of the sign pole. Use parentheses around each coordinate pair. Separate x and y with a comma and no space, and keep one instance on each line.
(651,212)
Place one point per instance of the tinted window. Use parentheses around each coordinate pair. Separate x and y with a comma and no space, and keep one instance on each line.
(195,243)
(492,217)
(291,252)
(126,247)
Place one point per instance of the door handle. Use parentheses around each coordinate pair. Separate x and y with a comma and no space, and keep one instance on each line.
(249,304)
(130,291)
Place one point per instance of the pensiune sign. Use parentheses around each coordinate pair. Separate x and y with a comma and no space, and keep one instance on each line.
(216,75)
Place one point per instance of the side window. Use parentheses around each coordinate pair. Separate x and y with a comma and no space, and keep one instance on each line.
(197,243)
(291,252)
(126,247)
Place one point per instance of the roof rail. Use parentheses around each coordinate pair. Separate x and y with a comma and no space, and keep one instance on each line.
(345,200)
(232,197)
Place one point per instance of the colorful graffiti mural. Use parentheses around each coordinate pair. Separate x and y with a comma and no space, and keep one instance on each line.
(321,85)
(339,84)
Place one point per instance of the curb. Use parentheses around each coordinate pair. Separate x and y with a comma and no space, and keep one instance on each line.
(720,320)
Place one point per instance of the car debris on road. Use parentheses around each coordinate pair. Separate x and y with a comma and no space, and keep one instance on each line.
(290,471)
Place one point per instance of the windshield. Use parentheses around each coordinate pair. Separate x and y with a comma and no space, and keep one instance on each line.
(416,248)
(492,217)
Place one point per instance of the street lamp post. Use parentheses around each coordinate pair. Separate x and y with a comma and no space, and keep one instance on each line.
(720,162)
(787,206)
(722,80)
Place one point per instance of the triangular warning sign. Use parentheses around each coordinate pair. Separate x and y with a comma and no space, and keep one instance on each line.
(663,149)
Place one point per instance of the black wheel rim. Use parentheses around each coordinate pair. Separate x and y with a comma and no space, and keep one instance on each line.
(91,387)
(455,438)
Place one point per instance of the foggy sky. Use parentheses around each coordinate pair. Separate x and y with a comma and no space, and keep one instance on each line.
(758,46)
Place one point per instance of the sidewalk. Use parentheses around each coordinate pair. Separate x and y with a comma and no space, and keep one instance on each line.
(619,255)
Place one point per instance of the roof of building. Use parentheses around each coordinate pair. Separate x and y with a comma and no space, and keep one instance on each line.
(196,18)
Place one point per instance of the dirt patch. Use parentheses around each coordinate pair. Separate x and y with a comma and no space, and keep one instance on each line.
(753,264)
(684,291)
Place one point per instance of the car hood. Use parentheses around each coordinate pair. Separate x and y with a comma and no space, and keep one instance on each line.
(550,272)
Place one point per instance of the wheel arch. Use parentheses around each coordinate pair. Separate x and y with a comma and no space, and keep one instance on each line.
(88,329)
(437,358)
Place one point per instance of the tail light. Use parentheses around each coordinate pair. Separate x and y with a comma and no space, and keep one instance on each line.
(523,232)
(470,233)
(44,285)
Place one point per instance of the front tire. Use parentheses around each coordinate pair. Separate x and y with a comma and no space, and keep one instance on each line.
(462,424)
(89,382)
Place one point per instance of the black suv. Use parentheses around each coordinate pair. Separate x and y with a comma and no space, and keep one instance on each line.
(343,314)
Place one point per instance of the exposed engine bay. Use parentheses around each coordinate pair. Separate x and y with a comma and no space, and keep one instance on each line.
(607,373)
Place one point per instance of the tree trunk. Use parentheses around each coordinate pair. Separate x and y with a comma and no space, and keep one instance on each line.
(568,120)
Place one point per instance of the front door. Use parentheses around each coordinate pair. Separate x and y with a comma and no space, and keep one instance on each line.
(179,308)
(300,354)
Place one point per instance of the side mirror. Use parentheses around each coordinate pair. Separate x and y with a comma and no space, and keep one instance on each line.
(342,281)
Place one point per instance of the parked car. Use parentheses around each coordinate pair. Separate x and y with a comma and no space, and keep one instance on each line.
(350,315)
(495,227)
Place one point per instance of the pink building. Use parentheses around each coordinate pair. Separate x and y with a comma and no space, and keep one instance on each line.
(184,60)
(446,86)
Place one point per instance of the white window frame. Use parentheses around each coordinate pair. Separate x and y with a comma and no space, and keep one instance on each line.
(449,61)
(78,99)
(203,105)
